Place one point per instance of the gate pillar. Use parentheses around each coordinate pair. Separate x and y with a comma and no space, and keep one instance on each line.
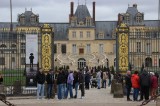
(46,47)
(122,42)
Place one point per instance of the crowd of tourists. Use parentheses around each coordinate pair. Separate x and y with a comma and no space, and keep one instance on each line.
(69,82)
(145,83)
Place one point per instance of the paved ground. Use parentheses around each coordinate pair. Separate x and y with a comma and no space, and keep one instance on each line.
(94,97)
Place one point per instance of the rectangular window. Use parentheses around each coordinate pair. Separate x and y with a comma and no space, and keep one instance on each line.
(88,48)
(63,48)
(100,48)
(13,59)
(74,48)
(55,48)
(2,61)
(148,48)
(138,47)
(81,51)
(23,50)
(23,60)
(73,34)
(23,45)
(88,34)
(81,34)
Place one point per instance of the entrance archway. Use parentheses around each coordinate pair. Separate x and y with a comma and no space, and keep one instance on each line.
(81,63)
(148,62)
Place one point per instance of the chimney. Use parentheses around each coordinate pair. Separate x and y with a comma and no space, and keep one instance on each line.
(135,5)
(94,4)
(72,8)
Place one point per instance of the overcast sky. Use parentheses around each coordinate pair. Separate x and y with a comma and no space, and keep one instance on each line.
(58,10)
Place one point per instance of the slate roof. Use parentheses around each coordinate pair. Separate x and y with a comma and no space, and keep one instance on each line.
(60,31)
(7,25)
(152,23)
(82,12)
(106,27)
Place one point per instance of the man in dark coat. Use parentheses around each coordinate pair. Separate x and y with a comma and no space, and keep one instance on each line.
(50,82)
(145,84)
(40,78)
(81,83)
(128,84)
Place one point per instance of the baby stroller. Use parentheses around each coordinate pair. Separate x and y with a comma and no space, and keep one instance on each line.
(94,83)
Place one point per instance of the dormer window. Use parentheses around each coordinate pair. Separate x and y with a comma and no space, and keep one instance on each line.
(33,19)
(88,21)
(139,18)
(22,20)
(101,35)
(127,18)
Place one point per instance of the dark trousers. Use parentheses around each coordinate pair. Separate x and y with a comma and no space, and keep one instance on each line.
(128,88)
(81,86)
(145,92)
(87,85)
(49,90)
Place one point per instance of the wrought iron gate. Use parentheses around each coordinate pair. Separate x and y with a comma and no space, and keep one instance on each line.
(12,63)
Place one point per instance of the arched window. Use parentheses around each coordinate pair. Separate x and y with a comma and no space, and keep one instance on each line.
(3,46)
(13,45)
(81,63)
(148,62)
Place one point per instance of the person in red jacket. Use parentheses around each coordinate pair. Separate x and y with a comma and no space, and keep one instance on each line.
(154,84)
(135,85)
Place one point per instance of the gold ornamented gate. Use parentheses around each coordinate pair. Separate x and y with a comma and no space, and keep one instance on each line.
(47,32)
(122,48)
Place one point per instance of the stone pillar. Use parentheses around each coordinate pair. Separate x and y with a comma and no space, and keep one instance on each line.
(118,91)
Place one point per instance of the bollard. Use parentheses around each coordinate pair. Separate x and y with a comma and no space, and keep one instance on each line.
(17,87)
(158,101)
(2,92)
(112,86)
(118,91)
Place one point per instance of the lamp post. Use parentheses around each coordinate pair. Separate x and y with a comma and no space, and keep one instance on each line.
(11,26)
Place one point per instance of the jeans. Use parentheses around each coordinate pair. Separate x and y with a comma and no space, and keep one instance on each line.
(109,82)
(99,83)
(135,94)
(76,89)
(63,90)
(69,89)
(40,91)
(59,91)
(49,90)
(104,84)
